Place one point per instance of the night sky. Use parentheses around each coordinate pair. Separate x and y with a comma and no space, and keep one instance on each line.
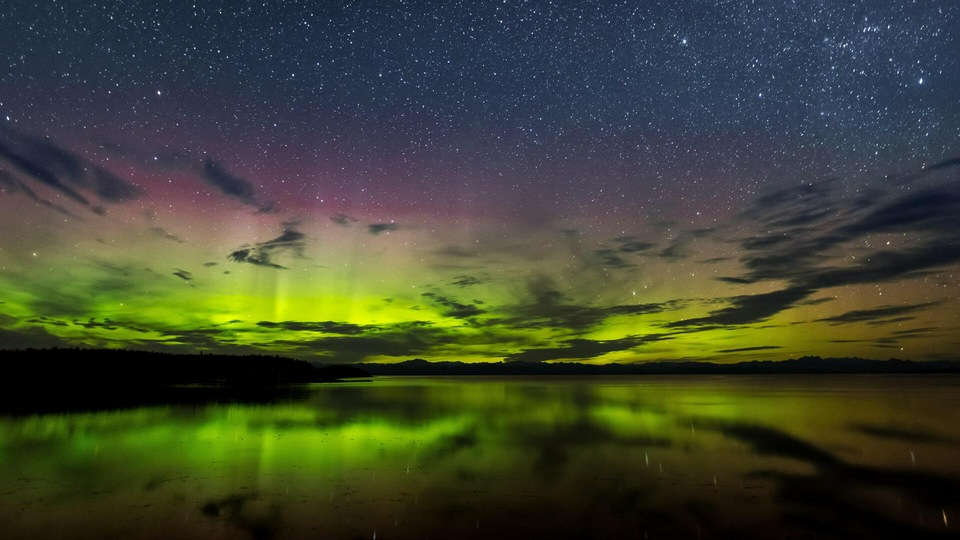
(482,181)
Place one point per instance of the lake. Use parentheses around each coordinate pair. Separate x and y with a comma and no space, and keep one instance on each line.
(561,457)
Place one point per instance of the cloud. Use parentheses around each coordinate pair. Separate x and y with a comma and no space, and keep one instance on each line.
(325,327)
(679,246)
(377,228)
(162,233)
(46,163)
(915,332)
(902,434)
(828,222)
(231,185)
(946,164)
(793,205)
(465,281)
(583,349)
(892,339)
(883,343)
(452,308)
(31,337)
(196,339)
(455,252)
(50,321)
(397,340)
(611,259)
(110,187)
(43,161)
(547,307)
(629,244)
(752,349)
(211,171)
(933,209)
(108,324)
(290,243)
(343,219)
(748,309)
(880,322)
(13,185)
(817,238)
(885,266)
(879,314)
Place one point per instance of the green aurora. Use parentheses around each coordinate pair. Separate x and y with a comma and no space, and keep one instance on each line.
(871,280)
(482,182)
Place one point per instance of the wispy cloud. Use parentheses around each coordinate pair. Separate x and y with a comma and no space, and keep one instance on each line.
(752,349)
(880,314)
(378,228)
(11,184)
(44,162)
(324,327)
(547,307)
(163,233)
(810,232)
(210,171)
(679,246)
(581,349)
(343,219)
(397,340)
(945,164)
(748,309)
(456,252)
(290,243)
(217,176)
(610,258)
(453,308)
(465,281)
(630,244)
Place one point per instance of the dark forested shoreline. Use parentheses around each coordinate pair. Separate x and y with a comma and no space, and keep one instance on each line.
(132,366)
(143,367)
(59,379)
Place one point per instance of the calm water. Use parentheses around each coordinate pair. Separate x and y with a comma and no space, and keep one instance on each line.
(655,457)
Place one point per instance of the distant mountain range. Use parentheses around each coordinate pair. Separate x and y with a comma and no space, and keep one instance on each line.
(804,365)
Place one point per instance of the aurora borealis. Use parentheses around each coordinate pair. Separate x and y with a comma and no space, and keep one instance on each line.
(738,457)
(517,181)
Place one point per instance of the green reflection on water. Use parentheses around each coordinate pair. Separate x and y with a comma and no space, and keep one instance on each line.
(412,458)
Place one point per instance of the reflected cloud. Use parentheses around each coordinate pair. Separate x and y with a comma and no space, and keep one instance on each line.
(902,434)
(832,499)
(591,455)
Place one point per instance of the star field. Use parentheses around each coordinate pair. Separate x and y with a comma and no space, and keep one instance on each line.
(602,181)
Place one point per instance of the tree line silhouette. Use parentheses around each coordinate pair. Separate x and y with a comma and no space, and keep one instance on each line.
(40,380)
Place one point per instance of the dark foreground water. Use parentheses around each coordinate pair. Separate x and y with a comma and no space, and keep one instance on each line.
(644,457)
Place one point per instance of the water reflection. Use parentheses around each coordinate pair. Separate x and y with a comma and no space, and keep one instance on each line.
(697,457)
